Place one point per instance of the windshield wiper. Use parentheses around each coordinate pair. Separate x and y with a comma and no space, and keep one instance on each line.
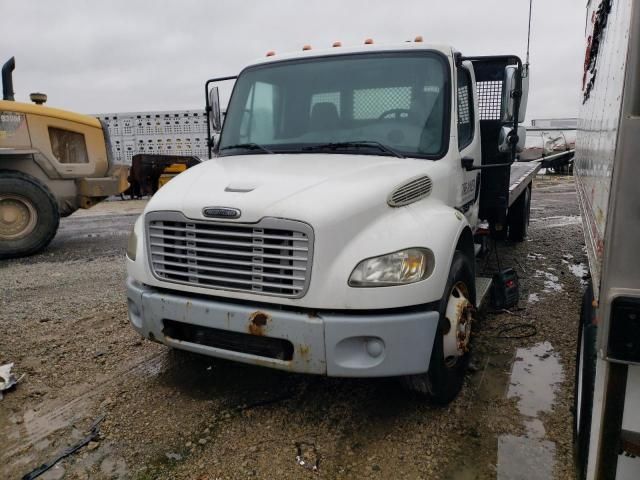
(248,146)
(355,144)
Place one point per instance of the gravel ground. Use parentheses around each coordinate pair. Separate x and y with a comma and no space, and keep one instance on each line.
(168,414)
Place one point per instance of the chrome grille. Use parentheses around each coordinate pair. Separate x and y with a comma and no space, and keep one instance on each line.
(272,257)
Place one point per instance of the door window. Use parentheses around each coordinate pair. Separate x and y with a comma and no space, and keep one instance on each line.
(465,109)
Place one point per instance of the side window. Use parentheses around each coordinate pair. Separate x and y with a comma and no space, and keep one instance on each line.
(68,146)
(465,109)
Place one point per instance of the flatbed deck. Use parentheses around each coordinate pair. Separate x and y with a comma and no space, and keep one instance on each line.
(521,175)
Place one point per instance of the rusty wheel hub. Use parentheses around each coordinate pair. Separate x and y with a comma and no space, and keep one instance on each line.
(460,313)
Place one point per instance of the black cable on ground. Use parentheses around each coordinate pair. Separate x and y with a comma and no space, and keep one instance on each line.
(527,330)
(521,329)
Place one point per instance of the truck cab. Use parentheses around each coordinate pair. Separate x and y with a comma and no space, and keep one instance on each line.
(333,231)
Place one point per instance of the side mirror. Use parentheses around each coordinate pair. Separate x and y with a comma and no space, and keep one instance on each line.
(508,136)
(522,113)
(522,138)
(215,118)
(510,98)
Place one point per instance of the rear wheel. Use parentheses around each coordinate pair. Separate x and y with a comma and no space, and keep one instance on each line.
(450,353)
(584,384)
(518,216)
(29,215)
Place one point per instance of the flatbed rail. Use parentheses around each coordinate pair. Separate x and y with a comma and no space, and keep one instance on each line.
(521,175)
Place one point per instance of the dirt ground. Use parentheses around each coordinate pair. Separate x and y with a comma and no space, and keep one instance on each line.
(167,414)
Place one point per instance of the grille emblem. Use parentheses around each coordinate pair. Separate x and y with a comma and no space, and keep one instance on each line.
(221,212)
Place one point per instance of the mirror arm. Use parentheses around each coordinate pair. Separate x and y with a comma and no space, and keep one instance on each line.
(467,164)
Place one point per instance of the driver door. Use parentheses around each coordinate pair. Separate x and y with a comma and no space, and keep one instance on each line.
(467,183)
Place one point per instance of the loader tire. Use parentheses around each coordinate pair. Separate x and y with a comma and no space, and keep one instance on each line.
(518,217)
(29,215)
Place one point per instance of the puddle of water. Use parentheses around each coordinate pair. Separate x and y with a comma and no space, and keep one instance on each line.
(551,283)
(534,378)
(39,425)
(522,458)
(535,428)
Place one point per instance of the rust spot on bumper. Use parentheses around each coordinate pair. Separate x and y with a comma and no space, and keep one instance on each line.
(304,351)
(258,322)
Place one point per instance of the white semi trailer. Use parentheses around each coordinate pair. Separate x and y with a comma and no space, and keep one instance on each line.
(175,132)
(333,230)
(607,172)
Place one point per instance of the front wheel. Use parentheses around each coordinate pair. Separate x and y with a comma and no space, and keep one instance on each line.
(450,353)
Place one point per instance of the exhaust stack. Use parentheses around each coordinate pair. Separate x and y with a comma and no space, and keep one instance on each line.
(7,79)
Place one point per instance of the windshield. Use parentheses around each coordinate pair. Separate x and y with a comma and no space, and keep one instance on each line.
(382,103)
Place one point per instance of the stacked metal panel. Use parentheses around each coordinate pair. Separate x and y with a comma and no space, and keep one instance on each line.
(557,123)
(176,132)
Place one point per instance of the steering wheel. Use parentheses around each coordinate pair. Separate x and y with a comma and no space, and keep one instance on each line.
(395,113)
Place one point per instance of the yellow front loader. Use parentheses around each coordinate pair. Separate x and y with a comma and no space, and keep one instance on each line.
(52,162)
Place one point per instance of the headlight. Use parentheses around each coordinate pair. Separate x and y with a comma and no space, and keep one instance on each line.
(398,268)
(132,245)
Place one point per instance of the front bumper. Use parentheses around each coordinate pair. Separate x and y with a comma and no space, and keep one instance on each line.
(333,344)
(100,187)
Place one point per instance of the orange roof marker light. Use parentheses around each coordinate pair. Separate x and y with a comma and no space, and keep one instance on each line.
(306,47)
(270,53)
(337,44)
(418,39)
(368,41)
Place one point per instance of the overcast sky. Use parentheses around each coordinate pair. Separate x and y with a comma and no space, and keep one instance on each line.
(123,56)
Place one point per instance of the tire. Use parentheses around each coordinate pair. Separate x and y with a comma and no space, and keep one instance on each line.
(585,377)
(29,215)
(444,379)
(518,217)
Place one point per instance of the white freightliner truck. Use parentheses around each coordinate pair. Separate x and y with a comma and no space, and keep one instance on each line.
(333,230)
(607,172)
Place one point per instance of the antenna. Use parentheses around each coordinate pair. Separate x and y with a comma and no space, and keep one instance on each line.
(525,72)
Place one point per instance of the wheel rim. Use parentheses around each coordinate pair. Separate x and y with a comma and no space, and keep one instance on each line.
(18,217)
(459,315)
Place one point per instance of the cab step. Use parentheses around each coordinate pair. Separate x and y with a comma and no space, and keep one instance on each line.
(483,286)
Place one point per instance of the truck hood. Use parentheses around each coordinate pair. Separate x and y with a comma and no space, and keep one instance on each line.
(305,187)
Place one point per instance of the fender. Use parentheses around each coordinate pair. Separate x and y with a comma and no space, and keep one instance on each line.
(451,231)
